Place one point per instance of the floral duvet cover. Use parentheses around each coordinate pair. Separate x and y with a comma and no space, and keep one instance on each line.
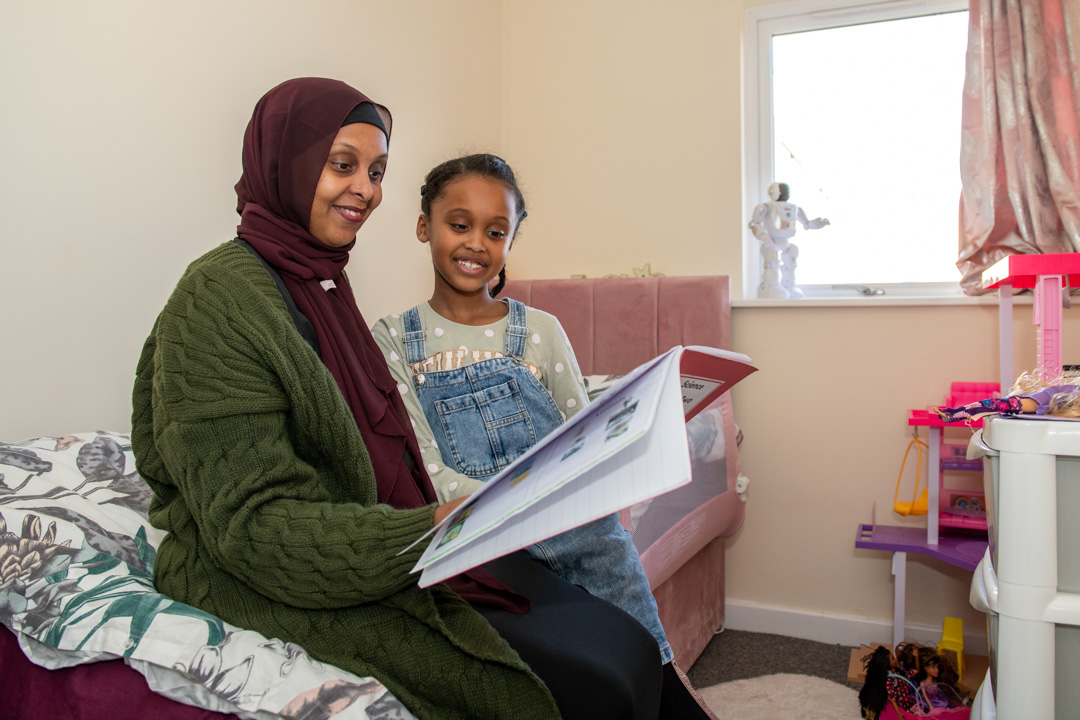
(76,569)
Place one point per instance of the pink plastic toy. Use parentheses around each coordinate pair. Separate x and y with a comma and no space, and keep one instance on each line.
(892,712)
(960,393)
(964,550)
(1049,275)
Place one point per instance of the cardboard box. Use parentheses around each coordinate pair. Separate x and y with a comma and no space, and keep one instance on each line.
(975,667)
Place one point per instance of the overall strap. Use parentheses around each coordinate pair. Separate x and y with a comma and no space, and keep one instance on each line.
(414,335)
(300,320)
(516,330)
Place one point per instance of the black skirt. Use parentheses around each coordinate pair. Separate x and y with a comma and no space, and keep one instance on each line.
(597,660)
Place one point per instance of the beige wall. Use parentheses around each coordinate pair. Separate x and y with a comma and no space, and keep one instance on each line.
(120,137)
(120,140)
(825,426)
(624,119)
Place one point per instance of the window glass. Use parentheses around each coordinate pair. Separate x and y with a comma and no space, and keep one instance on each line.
(862,122)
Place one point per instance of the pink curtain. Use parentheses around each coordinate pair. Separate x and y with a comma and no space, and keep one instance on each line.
(1020,143)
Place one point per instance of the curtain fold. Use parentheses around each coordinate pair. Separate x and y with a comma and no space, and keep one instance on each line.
(1020,142)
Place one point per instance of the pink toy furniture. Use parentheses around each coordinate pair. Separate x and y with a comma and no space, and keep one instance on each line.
(1049,275)
(614,325)
(963,549)
(950,457)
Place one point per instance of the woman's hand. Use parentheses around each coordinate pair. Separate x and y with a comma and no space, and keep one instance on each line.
(446,508)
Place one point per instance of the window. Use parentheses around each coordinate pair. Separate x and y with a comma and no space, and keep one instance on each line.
(857,109)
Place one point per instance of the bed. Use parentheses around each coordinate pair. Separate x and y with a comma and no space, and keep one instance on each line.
(87,636)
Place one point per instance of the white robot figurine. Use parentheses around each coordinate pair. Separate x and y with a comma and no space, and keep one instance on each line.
(773,224)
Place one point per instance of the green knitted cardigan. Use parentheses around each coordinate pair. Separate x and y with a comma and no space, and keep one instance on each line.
(263,484)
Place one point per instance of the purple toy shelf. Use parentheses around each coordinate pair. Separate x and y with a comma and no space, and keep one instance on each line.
(1051,276)
(963,551)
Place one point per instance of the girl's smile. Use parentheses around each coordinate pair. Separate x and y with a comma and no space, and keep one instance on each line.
(471,266)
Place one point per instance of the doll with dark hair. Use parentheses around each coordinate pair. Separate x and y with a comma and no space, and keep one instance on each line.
(916,680)
(931,694)
(902,684)
(892,678)
(874,694)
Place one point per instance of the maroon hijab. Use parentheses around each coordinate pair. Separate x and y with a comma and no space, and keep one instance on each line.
(285,148)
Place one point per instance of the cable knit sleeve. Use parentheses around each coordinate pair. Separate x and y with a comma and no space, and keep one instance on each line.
(254,457)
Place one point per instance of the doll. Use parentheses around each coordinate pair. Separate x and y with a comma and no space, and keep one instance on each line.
(930,695)
(903,681)
(915,679)
(887,681)
(1031,394)
(874,693)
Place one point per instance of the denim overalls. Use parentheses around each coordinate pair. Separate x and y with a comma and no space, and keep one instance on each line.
(484,416)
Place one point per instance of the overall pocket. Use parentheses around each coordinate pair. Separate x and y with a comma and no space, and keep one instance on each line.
(486,429)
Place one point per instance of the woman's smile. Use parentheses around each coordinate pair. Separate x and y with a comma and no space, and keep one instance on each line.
(350,213)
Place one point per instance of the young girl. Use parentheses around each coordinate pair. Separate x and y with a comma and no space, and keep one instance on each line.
(484,379)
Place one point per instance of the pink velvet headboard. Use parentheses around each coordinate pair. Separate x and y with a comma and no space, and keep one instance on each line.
(616,324)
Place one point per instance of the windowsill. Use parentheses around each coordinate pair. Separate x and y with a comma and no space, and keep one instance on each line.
(879,301)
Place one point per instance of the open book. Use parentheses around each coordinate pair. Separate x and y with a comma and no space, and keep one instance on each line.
(627,446)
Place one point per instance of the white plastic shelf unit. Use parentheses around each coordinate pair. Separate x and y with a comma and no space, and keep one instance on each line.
(1028,581)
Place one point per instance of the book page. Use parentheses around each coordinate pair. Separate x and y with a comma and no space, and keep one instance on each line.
(603,429)
(658,463)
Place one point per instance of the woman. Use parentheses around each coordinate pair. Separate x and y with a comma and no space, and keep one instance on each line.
(283,464)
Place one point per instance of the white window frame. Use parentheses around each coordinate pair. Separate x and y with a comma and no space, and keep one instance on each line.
(801,15)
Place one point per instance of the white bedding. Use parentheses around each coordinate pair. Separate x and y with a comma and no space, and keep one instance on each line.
(76,568)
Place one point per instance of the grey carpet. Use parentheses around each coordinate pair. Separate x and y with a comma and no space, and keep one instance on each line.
(737,655)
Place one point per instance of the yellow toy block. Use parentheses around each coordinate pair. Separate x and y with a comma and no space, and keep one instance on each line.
(952,638)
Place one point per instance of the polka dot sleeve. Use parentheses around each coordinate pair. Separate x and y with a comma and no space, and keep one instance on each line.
(449,484)
(550,349)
